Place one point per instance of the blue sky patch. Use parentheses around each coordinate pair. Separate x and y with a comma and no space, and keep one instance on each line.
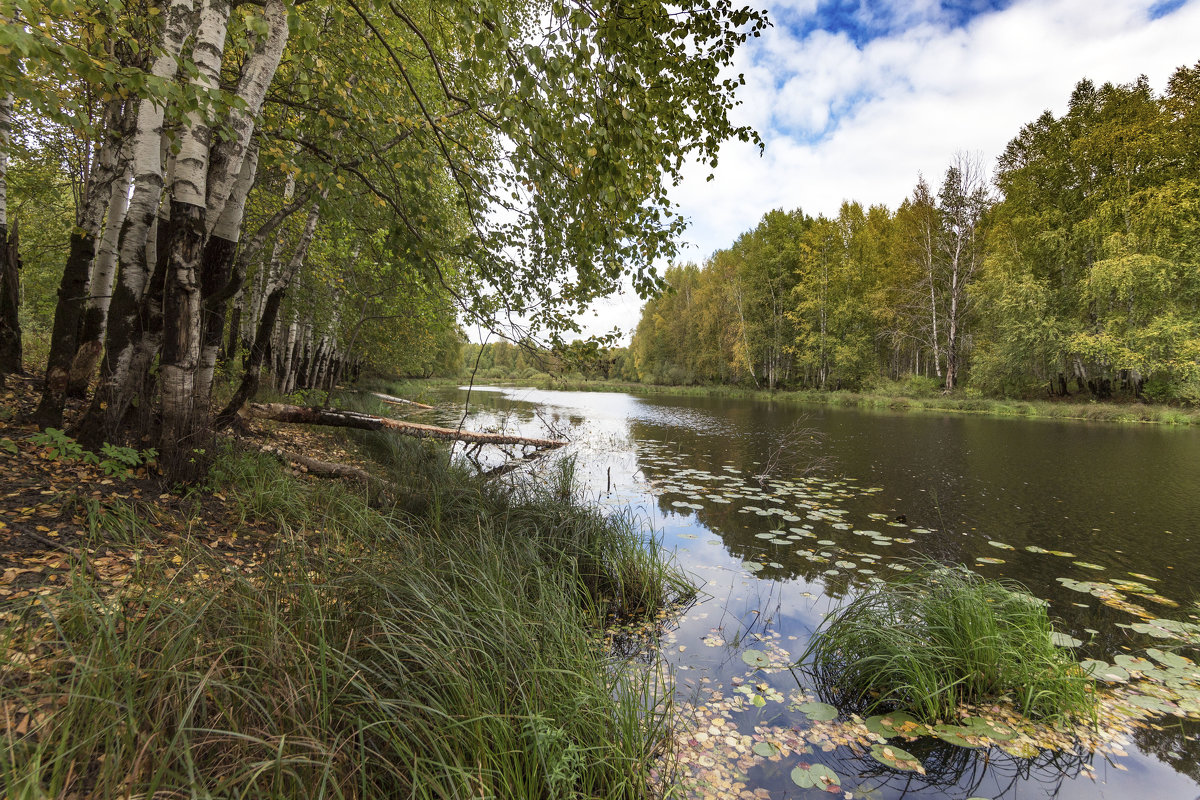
(1164,7)
(861,21)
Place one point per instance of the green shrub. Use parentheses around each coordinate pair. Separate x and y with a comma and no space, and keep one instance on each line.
(942,637)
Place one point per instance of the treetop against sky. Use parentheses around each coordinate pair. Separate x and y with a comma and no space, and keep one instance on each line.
(854,100)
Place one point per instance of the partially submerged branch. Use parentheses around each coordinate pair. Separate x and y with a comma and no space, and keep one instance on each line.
(281,412)
(399,401)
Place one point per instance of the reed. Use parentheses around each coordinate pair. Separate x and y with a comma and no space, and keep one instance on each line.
(442,649)
(941,638)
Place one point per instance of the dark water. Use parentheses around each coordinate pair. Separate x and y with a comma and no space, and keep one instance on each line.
(869,490)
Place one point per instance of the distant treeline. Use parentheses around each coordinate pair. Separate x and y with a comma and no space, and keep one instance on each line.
(507,361)
(1074,269)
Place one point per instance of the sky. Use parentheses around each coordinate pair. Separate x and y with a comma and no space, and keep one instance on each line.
(855,99)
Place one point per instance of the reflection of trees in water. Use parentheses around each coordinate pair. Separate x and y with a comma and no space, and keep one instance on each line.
(1175,742)
(948,765)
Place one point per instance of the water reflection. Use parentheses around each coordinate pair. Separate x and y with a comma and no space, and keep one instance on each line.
(732,486)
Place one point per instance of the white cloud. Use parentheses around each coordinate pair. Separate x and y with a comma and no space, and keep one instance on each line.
(847,122)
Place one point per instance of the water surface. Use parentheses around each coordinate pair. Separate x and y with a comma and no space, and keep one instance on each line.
(782,512)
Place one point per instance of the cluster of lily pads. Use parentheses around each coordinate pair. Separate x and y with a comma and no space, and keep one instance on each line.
(793,508)
(717,759)
(803,518)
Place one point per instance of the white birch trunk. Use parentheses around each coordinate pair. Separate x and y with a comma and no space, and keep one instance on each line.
(106,256)
(228,156)
(229,224)
(191,165)
(147,155)
(182,299)
(100,288)
(228,229)
(136,244)
(6,105)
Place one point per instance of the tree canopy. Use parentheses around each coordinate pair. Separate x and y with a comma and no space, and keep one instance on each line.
(1073,270)
(347,180)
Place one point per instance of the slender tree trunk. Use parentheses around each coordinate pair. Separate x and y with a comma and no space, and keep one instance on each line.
(287,371)
(95,316)
(110,401)
(250,378)
(258,351)
(952,334)
(226,167)
(10,298)
(10,265)
(235,326)
(217,281)
(72,292)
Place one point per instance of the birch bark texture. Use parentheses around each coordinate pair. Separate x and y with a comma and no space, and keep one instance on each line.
(185,247)
(102,172)
(100,289)
(111,399)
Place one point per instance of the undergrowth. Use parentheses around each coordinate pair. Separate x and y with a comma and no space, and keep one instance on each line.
(943,637)
(445,648)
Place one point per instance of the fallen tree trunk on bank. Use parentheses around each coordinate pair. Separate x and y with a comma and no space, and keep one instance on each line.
(281,412)
(379,489)
(399,401)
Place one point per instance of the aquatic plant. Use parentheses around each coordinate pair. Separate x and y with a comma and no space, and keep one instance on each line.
(941,637)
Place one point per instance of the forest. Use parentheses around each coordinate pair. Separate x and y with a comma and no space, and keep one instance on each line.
(200,193)
(1072,270)
(226,568)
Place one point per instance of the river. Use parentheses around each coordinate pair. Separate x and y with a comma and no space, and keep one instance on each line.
(782,512)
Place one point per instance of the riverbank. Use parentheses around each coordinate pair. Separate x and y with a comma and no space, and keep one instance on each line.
(938,403)
(275,635)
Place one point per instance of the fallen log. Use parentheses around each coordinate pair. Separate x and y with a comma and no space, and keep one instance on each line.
(323,469)
(379,489)
(399,401)
(281,412)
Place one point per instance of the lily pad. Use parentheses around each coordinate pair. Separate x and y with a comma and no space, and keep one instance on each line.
(982,726)
(818,712)
(901,724)
(815,776)
(1087,565)
(1105,671)
(955,735)
(875,725)
(1151,703)
(765,749)
(1131,663)
(1061,639)
(896,758)
(756,658)
(1168,659)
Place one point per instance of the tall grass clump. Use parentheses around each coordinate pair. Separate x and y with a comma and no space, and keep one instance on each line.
(943,637)
(444,652)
